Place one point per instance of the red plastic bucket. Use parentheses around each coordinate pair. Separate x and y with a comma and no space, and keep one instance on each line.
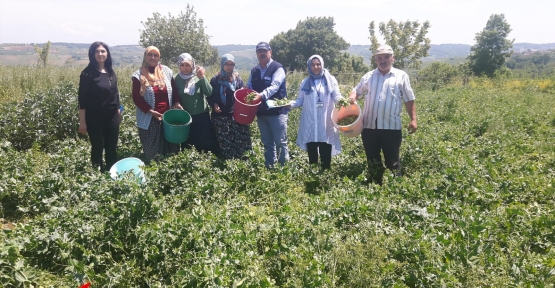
(244,113)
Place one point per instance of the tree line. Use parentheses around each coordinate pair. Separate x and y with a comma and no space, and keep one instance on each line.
(316,35)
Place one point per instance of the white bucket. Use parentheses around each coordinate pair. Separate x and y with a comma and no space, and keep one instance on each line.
(355,128)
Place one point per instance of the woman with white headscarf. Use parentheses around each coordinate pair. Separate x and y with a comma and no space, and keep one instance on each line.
(193,89)
(234,139)
(154,93)
(318,94)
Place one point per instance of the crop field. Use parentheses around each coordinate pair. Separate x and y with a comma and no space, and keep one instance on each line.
(475,207)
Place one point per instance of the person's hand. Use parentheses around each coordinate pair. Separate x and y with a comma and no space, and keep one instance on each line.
(200,72)
(412,126)
(83,128)
(257,98)
(120,116)
(156,115)
(178,106)
(353,97)
(217,108)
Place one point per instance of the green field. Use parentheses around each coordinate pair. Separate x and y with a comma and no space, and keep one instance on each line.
(476,207)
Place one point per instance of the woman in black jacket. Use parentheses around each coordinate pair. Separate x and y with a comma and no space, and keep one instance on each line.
(99,105)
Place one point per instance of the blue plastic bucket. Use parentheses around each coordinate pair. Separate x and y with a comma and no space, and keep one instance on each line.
(128,164)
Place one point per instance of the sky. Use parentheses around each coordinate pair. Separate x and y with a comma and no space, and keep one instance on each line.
(247,22)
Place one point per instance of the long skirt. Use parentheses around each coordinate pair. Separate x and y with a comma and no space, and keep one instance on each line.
(154,144)
(201,134)
(234,139)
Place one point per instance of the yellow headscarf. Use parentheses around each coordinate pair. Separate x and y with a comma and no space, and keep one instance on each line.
(151,79)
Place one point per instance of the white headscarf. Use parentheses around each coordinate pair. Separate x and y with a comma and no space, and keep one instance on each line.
(190,86)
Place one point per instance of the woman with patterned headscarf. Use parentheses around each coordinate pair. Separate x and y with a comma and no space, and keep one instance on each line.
(234,139)
(154,92)
(193,88)
(317,95)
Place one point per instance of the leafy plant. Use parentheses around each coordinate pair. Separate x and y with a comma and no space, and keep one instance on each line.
(43,117)
(474,209)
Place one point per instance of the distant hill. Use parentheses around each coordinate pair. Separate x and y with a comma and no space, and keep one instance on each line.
(75,54)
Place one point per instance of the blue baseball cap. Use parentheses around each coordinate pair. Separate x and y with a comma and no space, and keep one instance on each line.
(263,46)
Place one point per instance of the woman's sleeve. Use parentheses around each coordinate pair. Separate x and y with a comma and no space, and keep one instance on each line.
(336,92)
(84,83)
(175,93)
(240,83)
(118,97)
(205,87)
(300,97)
(137,98)
(211,97)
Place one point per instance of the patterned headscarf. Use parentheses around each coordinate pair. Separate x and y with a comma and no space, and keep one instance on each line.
(151,79)
(324,73)
(224,77)
(186,57)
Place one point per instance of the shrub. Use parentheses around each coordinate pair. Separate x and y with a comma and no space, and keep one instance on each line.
(439,74)
(42,117)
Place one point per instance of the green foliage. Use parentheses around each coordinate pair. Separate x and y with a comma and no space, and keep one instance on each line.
(349,67)
(16,82)
(492,47)
(407,39)
(176,35)
(41,118)
(315,35)
(441,74)
(475,208)
(536,65)
(42,54)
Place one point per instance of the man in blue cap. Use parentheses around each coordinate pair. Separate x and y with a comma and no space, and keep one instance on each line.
(268,80)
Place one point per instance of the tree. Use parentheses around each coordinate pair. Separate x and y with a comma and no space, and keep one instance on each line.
(176,35)
(43,54)
(407,39)
(440,74)
(346,63)
(349,67)
(492,47)
(315,35)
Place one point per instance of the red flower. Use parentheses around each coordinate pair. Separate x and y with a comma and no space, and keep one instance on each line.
(86,285)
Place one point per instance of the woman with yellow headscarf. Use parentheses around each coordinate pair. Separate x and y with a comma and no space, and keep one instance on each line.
(154,92)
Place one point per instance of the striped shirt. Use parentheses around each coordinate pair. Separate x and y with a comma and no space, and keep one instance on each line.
(384,98)
(315,124)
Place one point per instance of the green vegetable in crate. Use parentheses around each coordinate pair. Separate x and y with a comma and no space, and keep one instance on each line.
(347,120)
(343,102)
(250,97)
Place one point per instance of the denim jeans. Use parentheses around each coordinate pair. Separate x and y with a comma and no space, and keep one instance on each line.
(273,133)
